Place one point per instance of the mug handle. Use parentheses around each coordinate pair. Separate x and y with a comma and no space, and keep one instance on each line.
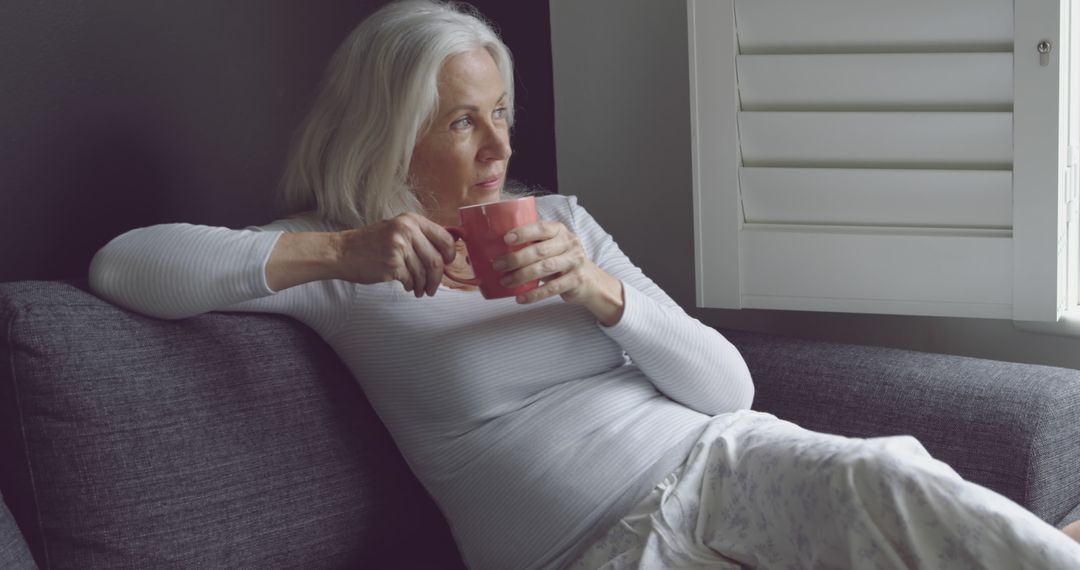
(459,234)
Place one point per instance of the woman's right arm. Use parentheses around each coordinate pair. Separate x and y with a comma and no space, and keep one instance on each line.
(409,248)
(174,271)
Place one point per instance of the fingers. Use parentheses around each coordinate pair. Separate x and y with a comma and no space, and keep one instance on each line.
(551,239)
(439,238)
(556,257)
(421,245)
(561,264)
(560,253)
(542,230)
(431,260)
(417,280)
(564,285)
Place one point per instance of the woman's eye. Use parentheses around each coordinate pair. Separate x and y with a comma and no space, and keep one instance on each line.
(500,113)
(462,123)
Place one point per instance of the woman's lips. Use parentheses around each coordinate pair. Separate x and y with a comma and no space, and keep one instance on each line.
(489,183)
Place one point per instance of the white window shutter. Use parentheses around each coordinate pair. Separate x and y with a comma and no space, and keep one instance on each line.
(879,156)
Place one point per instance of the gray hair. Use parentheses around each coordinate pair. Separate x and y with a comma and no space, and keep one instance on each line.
(350,158)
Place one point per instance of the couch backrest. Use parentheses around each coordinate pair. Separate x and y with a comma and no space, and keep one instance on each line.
(221,440)
(241,440)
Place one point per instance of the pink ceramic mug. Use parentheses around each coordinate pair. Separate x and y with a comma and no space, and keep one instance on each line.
(483,228)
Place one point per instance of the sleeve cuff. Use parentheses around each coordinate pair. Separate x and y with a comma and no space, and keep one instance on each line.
(636,312)
(261,248)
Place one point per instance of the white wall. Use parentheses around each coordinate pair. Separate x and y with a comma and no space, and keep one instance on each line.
(622,134)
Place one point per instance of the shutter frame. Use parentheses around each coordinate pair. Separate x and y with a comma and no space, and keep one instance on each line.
(718,213)
(1039,147)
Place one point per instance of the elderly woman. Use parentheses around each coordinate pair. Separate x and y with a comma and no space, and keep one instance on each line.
(587,423)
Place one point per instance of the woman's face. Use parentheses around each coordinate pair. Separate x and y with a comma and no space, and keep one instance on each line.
(461,159)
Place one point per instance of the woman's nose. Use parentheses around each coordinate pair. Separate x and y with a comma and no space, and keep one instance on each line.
(496,145)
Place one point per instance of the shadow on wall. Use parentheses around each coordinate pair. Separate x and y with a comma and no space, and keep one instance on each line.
(124,114)
(525,27)
(95,182)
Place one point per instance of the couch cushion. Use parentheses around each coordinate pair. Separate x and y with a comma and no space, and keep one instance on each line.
(216,441)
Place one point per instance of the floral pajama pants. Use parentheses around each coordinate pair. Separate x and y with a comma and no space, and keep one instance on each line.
(759,492)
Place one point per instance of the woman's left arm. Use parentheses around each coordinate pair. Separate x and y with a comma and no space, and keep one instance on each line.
(686,360)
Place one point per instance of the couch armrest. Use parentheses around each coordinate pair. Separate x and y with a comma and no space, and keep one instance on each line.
(1011,427)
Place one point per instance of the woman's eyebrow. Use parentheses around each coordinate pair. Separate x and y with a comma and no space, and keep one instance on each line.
(472,108)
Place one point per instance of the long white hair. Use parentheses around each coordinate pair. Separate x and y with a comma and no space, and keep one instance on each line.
(350,157)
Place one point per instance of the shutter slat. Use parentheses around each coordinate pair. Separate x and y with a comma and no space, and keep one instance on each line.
(972,81)
(877,140)
(825,26)
(864,271)
(924,198)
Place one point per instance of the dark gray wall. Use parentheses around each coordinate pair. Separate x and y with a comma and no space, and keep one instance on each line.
(126,113)
(525,27)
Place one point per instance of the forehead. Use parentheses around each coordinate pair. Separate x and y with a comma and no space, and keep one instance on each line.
(470,78)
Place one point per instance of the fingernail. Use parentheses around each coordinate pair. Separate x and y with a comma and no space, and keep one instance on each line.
(511,237)
(506,281)
(499,265)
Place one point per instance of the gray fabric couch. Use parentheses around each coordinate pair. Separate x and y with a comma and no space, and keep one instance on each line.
(240,441)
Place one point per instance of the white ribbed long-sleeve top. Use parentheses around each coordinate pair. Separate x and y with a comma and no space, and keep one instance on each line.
(534,427)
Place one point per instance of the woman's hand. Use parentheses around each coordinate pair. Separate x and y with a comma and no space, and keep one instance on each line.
(409,248)
(558,259)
